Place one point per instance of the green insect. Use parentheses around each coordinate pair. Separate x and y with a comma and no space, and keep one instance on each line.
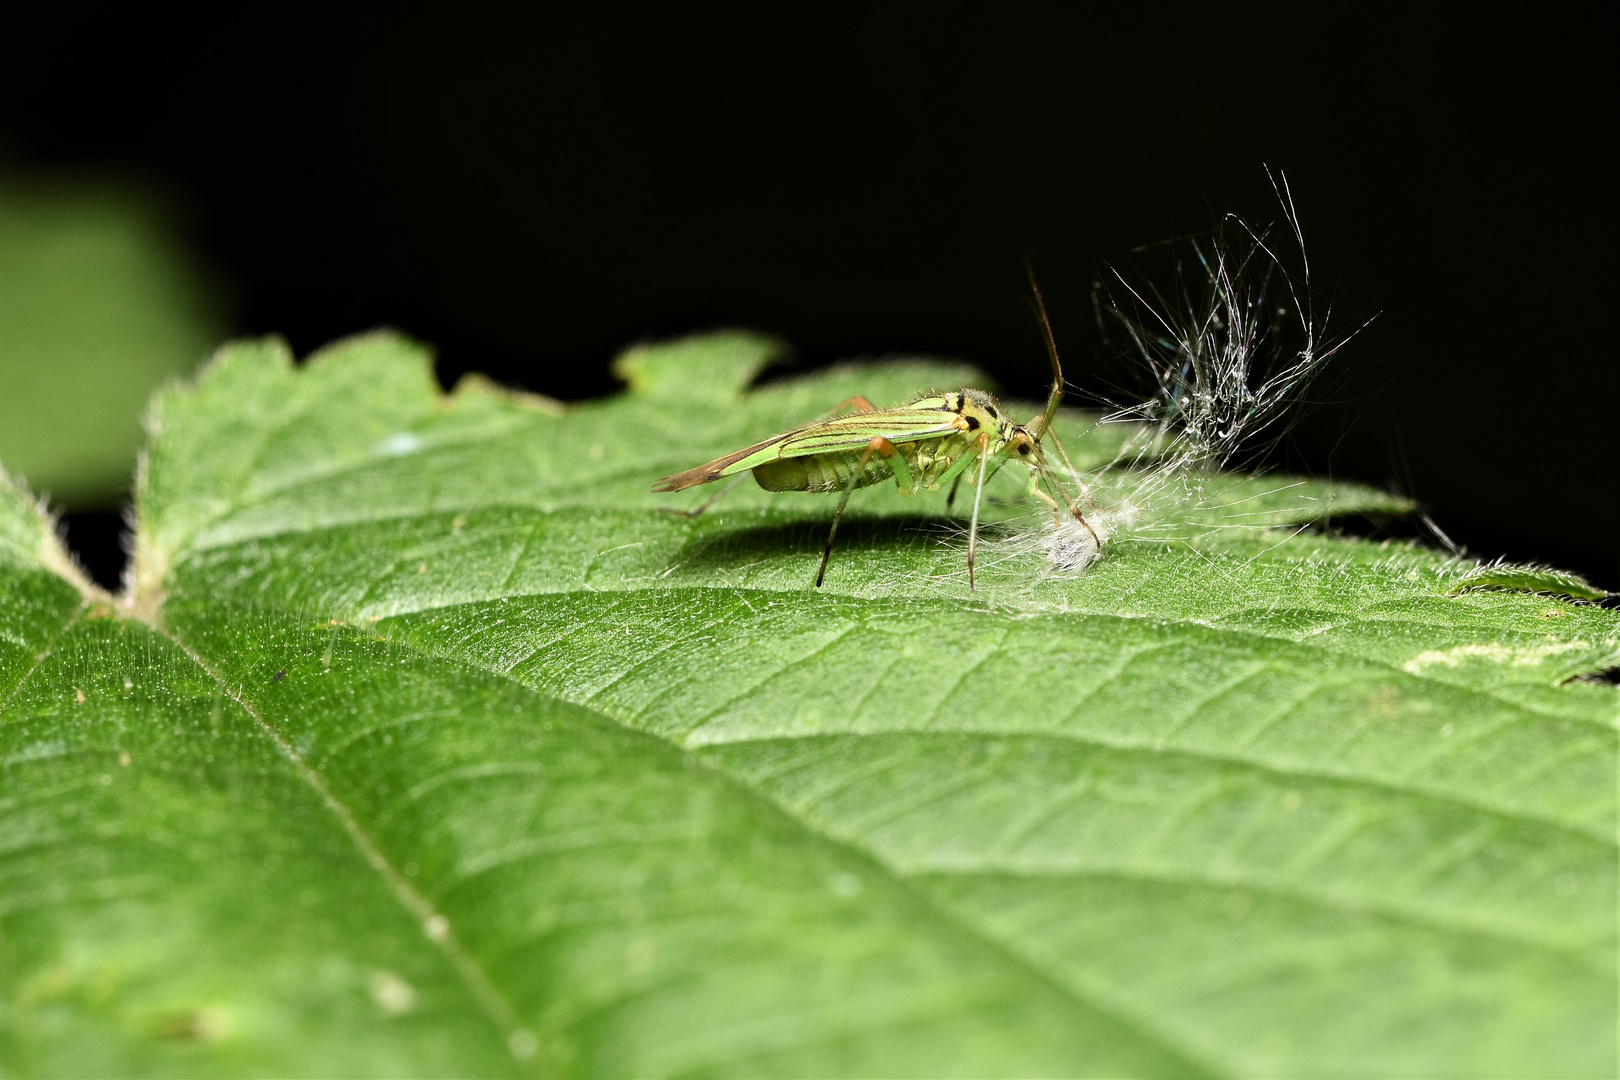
(934,439)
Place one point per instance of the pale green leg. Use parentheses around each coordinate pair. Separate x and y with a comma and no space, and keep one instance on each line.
(955,471)
(951,498)
(902,473)
(978,494)
(877,443)
(1057,511)
(991,475)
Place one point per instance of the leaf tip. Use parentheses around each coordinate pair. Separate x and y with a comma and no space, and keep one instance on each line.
(1527,577)
(477,384)
(30,532)
(718,364)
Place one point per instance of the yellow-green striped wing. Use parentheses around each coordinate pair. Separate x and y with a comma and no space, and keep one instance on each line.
(924,419)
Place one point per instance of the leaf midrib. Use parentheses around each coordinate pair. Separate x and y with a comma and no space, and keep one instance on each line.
(479,986)
(1570,951)
(622,718)
(1002,947)
(500,1011)
(1119,1011)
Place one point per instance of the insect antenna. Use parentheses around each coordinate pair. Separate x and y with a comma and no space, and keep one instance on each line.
(1055,397)
(1053,400)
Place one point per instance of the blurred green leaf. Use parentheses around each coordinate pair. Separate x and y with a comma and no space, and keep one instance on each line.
(99,304)
(427,745)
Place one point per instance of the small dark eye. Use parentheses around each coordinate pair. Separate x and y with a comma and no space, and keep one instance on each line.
(1023,448)
(973,423)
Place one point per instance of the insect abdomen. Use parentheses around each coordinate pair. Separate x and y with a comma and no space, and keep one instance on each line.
(819,472)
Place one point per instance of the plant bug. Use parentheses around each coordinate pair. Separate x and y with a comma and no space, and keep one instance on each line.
(935,438)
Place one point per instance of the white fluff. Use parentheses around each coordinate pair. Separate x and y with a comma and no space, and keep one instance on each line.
(1228,350)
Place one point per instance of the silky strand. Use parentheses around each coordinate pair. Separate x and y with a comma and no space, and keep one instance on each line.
(1228,351)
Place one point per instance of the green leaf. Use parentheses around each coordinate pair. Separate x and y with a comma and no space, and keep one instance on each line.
(1539,579)
(425,743)
(99,305)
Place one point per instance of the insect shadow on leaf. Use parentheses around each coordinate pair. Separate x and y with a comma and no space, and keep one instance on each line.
(751,546)
(934,439)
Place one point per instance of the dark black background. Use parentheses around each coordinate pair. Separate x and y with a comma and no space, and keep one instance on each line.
(531,192)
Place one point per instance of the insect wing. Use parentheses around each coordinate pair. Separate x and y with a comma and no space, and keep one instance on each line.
(729,465)
(825,436)
(856,432)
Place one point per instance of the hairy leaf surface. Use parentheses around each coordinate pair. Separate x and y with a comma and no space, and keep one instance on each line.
(426,744)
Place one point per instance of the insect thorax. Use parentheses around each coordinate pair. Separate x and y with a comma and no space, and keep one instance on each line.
(983,412)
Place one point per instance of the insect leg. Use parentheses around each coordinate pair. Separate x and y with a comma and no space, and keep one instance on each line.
(1044,421)
(958,467)
(1039,472)
(710,501)
(1033,488)
(1063,455)
(858,403)
(951,498)
(991,475)
(978,493)
(902,471)
(1057,511)
(878,445)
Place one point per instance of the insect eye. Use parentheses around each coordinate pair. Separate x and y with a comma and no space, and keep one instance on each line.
(1023,448)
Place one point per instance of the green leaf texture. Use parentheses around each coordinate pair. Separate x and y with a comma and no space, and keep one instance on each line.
(425,744)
